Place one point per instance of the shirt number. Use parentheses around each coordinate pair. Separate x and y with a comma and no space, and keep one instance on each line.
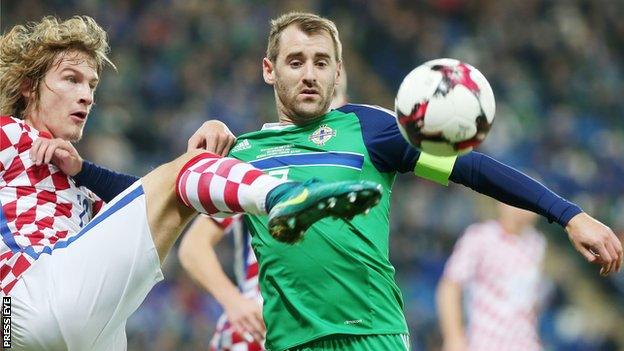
(280,173)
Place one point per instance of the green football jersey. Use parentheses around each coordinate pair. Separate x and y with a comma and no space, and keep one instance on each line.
(338,279)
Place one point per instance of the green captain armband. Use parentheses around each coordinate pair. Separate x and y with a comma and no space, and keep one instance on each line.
(435,168)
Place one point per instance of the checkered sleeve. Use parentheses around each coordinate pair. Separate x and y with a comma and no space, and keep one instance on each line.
(462,265)
(10,135)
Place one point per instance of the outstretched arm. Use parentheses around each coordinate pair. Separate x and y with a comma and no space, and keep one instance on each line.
(449,299)
(390,152)
(199,259)
(594,240)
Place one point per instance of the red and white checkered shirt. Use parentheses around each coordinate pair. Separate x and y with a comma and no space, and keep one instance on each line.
(501,274)
(246,270)
(41,208)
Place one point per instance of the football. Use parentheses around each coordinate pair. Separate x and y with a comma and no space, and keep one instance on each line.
(445,107)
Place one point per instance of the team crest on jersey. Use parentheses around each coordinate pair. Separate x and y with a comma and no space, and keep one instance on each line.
(322,135)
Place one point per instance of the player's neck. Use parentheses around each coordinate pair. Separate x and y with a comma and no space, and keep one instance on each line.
(286,120)
(287,117)
(33,120)
(511,227)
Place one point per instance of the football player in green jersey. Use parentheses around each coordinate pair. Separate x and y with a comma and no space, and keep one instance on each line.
(335,289)
(241,325)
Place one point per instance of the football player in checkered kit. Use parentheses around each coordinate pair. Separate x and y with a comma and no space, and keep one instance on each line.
(241,326)
(497,266)
(76,270)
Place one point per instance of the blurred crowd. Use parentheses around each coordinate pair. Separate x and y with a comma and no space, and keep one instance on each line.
(555,67)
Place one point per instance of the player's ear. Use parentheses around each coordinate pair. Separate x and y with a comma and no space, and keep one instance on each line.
(338,72)
(26,88)
(268,72)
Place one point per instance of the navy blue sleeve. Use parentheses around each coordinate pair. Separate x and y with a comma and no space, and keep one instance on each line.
(103,182)
(386,147)
(501,182)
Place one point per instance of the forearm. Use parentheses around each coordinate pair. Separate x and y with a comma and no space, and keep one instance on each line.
(449,310)
(206,270)
(103,182)
(501,182)
(199,259)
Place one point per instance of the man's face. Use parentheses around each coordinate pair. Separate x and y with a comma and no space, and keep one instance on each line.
(65,97)
(303,75)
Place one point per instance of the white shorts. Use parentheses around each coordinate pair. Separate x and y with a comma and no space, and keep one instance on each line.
(79,297)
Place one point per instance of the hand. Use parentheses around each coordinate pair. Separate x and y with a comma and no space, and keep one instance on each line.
(57,151)
(596,242)
(213,136)
(245,315)
(454,344)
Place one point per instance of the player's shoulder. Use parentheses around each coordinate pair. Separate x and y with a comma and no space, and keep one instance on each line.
(6,119)
(372,118)
(14,130)
(367,111)
(12,124)
(536,238)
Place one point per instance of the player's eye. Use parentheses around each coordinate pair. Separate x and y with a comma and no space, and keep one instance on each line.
(295,63)
(71,79)
(321,63)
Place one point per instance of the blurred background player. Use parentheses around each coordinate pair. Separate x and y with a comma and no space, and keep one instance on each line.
(241,326)
(496,268)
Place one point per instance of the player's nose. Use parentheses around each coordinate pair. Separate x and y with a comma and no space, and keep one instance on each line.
(85,96)
(309,74)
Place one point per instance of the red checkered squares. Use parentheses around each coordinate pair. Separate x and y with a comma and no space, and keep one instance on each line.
(226,339)
(41,206)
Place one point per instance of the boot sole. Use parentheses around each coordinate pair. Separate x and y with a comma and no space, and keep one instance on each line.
(291,227)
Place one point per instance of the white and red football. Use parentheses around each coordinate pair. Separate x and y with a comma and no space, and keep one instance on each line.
(445,107)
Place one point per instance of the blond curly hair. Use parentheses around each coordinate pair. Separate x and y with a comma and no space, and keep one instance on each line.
(28,51)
